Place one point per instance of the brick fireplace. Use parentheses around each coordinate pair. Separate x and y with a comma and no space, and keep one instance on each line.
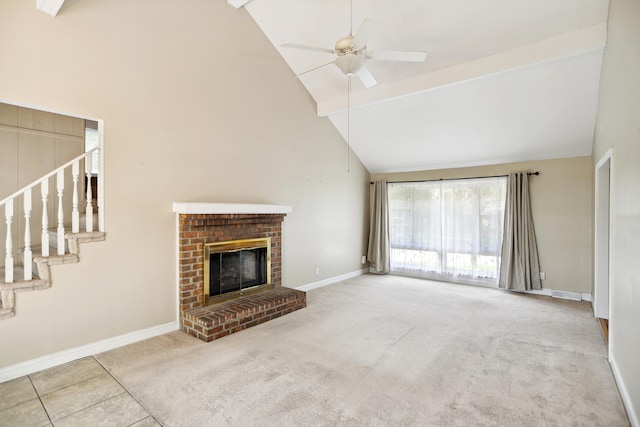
(199,224)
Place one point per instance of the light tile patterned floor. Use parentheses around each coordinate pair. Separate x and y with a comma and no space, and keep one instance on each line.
(80,393)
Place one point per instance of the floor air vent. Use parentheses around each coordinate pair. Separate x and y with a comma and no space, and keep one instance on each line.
(567,295)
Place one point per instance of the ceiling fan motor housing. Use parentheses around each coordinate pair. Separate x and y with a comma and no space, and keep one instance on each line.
(345,46)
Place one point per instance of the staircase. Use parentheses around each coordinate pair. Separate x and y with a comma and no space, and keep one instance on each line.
(29,267)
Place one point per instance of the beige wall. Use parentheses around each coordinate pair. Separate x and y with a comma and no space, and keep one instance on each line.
(562,206)
(197,106)
(618,127)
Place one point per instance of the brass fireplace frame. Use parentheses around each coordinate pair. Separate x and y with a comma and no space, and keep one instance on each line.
(233,246)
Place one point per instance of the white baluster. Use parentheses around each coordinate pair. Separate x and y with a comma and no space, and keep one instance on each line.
(89,212)
(44,191)
(28,255)
(8,260)
(60,188)
(75,216)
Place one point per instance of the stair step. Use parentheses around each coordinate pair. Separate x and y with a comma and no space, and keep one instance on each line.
(82,224)
(8,290)
(81,237)
(6,313)
(35,252)
(18,274)
(53,239)
(53,231)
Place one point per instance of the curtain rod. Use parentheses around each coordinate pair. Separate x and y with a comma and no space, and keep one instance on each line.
(455,179)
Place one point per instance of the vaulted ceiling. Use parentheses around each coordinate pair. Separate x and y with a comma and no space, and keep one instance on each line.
(504,80)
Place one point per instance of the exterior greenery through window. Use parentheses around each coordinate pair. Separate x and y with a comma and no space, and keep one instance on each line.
(449,229)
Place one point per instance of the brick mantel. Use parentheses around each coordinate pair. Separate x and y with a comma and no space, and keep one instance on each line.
(228,208)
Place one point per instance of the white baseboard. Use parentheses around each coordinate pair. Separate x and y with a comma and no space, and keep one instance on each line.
(544,292)
(624,393)
(325,282)
(55,359)
(575,296)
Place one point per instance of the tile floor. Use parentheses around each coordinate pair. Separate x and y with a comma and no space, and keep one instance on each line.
(79,393)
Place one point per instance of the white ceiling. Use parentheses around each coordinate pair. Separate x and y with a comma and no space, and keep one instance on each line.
(504,80)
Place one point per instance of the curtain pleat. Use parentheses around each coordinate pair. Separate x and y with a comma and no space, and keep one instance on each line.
(520,267)
(378,250)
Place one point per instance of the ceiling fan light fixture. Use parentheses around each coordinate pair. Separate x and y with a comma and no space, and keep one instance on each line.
(350,64)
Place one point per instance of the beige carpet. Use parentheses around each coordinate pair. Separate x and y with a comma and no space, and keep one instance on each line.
(386,351)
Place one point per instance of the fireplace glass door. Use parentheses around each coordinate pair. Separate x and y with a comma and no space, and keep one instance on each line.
(234,268)
(233,271)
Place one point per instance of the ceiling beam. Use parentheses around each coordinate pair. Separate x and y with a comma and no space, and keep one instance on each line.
(568,45)
(238,3)
(52,7)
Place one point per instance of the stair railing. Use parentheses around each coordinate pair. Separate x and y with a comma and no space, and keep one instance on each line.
(74,167)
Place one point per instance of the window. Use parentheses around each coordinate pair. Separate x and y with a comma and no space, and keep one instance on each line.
(449,229)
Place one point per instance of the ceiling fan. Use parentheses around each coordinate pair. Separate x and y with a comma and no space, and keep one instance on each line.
(352,53)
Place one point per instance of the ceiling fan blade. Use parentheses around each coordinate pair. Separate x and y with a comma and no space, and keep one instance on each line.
(305,47)
(397,55)
(315,68)
(366,77)
(367,30)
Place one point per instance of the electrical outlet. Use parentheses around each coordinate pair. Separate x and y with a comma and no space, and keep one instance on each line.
(543,276)
(364,259)
(317,270)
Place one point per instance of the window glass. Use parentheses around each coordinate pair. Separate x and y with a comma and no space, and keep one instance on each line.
(449,229)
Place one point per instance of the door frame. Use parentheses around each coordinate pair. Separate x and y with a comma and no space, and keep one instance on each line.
(602,236)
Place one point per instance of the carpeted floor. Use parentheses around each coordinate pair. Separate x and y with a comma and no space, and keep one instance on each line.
(386,351)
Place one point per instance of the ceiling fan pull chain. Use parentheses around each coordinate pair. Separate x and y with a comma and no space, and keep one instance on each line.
(349,123)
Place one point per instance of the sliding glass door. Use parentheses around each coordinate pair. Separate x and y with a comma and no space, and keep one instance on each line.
(449,229)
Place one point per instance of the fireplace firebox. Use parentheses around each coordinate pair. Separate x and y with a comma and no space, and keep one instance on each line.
(236,268)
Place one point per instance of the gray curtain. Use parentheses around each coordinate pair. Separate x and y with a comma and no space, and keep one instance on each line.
(520,267)
(378,251)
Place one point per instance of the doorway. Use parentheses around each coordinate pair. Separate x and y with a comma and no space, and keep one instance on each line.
(602,236)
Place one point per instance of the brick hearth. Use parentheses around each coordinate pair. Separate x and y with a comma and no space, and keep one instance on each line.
(201,223)
(219,320)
